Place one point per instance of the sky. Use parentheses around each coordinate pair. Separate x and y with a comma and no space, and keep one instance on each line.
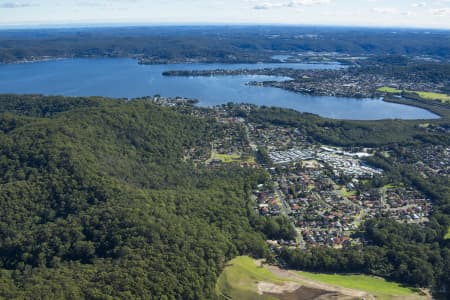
(378,13)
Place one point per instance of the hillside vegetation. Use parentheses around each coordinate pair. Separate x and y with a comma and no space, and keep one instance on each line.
(164,44)
(352,133)
(97,202)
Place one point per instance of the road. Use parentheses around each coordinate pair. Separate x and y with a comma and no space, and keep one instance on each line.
(286,209)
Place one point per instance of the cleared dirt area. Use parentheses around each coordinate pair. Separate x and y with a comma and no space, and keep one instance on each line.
(329,291)
(267,287)
(294,291)
(306,289)
(246,278)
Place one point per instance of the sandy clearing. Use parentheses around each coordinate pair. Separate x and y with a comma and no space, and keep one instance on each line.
(319,285)
(310,289)
(287,287)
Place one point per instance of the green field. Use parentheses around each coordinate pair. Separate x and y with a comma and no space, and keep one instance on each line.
(424,95)
(239,279)
(232,158)
(389,186)
(447,236)
(386,89)
(424,125)
(434,96)
(346,193)
(373,285)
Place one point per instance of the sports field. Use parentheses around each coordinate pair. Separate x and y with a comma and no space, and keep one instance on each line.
(424,95)
(232,158)
(386,89)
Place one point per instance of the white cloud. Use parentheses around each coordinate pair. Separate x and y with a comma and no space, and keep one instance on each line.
(385,10)
(289,4)
(420,4)
(15,4)
(92,3)
(408,13)
(266,5)
(445,11)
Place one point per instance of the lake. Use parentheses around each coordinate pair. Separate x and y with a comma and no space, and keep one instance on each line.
(124,78)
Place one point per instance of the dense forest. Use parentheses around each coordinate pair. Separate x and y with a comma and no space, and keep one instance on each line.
(217,43)
(409,70)
(353,133)
(411,254)
(97,201)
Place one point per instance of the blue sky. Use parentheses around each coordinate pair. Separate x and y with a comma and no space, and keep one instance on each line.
(402,13)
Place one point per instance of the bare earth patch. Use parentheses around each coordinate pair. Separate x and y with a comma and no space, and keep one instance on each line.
(302,288)
(319,285)
(267,287)
(294,291)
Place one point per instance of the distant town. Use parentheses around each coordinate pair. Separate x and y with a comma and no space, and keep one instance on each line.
(321,82)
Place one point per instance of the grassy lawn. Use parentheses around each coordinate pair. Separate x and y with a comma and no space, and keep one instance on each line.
(231,158)
(373,285)
(447,236)
(239,279)
(346,193)
(390,90)
(424,125)
(359,216)
(389,186)
(424,95)
(434,96)
(386,154)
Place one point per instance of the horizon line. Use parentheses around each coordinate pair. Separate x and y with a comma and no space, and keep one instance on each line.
(94,24)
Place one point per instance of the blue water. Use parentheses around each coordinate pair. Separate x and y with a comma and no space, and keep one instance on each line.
(124,78)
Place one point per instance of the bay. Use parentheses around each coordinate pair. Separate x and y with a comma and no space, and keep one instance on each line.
(124,78)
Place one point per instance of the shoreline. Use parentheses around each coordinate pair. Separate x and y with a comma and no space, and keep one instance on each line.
(438,112)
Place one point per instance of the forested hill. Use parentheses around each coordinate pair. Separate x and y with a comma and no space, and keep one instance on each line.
(98,201)
(163,44)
